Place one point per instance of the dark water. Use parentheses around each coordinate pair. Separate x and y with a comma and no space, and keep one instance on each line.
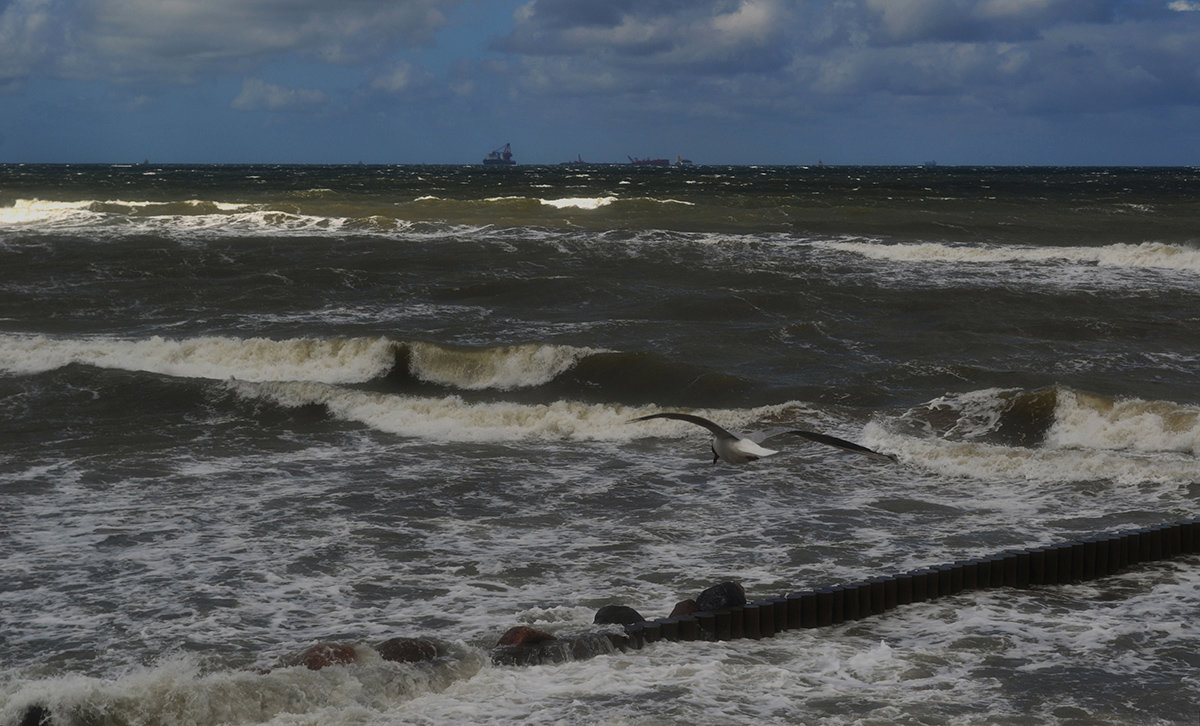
(246,409)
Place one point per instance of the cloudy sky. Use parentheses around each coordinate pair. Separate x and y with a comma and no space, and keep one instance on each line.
(717,81)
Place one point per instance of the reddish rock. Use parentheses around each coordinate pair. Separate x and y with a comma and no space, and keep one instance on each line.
(325,654)
(407,650)
(684,608)
(524,636)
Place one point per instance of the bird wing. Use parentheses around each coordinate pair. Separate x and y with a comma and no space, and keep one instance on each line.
(716,430)
(839,443)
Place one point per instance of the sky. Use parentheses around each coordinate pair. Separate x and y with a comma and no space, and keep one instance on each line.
(1015,82)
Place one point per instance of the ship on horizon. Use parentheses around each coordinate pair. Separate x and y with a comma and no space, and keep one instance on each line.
(500,157)
(649,162)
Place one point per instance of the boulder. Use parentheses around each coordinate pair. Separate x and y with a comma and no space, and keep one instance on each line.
(407,650)
(525,637)
(617,615)
(684,608)
(36,716)
(720,597)
(321,655)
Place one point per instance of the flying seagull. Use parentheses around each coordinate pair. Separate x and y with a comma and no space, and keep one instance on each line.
(738,450)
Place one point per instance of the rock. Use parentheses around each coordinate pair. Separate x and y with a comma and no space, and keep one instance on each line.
(321,655)
(617,615)
(524,636)
(720,597)
(407,650)
(685,608)
(36,716)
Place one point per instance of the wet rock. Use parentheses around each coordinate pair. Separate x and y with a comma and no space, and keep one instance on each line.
(513,655)
(522,645)
(523,636)
(684,608)
(36,716)
(560,650)
(323,655)
(407,650)
(720,597)
(617,615)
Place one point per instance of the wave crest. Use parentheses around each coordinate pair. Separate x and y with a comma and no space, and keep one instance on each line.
(330,360)
(504,367)
(1145,255)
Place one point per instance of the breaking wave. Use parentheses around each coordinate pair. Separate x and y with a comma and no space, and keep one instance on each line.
(312,360)
(532,372)
(1145,255)
(1051,434)
(180,691)
(309,214)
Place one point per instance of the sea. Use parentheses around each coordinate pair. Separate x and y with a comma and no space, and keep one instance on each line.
(245,410)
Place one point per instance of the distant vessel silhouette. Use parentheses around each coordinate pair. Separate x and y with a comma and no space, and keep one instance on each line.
(500,157)
(648,161)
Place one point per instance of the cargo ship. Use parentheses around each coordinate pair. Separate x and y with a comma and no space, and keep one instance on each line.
(500,157)
(649,162)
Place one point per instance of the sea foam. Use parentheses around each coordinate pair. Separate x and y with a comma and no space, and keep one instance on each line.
(1144,255)
(502,367)
(333,360)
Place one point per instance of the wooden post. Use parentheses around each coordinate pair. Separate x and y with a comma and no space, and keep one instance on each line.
(752,622)
(724,625)
(904,588)
(878,595)
(1040,559)
(689,628)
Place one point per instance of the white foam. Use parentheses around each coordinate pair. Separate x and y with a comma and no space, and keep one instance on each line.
(1145,255)
(178,691)
(451,418)
(503,367)
(34,211)
(1091,438)
(336,360)
(115,217)
(1083,421)
(579,202)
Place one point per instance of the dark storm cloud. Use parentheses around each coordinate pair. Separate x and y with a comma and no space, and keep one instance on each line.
(742,77)
(916,21)
(179,39)
(1019,55)
(662,32)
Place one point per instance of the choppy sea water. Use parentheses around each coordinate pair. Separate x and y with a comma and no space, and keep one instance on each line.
(249,409)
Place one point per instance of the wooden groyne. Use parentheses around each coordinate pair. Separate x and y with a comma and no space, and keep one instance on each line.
(1059,564)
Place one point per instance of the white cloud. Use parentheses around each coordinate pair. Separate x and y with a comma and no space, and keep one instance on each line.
(258,95)
(401,77)
(1184,6)
(753,19)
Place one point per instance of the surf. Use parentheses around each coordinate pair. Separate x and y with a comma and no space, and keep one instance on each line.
(1146,255)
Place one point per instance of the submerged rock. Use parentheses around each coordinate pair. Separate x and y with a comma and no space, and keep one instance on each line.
(560,650)
(524,636)
(407,650)
(521,645)
(36,716)
(322,655)
(720,597)
(617,615)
